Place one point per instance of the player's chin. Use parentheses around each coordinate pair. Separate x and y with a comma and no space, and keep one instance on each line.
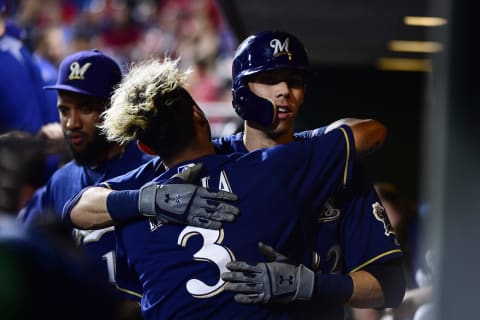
(79,151)
(284,123)
(77,147)
(84,158)
(280,129)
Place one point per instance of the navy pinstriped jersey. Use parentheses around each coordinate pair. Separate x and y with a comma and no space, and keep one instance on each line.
(179,266)
(68,181)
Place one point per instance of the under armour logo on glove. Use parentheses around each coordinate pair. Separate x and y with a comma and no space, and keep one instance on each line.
(167,198)
(177,198)
(289,279)
(176,201)
(276,281)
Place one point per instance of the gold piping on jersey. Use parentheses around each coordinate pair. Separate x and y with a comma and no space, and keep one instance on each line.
(348,157)
(106,185)
(376,258)
(133,293)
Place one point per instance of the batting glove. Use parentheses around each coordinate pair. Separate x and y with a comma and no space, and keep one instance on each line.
(269,282)
(178,202)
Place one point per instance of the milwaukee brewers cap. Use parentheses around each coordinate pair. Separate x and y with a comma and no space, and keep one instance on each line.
(89,72)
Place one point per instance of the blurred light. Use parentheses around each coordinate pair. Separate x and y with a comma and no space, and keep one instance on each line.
(404,64)
(424,21)
(415,46)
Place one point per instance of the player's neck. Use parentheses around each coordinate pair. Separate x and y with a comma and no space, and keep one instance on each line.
(257,138)
(194,151)
(110,152)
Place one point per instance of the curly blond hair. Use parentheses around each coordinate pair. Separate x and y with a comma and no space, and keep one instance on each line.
(133,101)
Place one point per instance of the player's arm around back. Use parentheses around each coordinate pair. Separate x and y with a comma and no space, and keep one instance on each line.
(90,210)
(369,134)
(100,207)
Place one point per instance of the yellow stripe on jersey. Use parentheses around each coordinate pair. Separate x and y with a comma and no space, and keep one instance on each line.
(376,258)
(106,185)
(348,157)
(133,293)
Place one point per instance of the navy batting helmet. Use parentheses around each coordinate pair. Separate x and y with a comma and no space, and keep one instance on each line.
(264,51)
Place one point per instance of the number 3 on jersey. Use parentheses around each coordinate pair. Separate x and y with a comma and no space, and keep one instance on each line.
(211,251)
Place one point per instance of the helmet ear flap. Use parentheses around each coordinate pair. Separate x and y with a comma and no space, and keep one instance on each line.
(249,106)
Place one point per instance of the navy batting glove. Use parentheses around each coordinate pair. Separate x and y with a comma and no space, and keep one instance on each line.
(176,201)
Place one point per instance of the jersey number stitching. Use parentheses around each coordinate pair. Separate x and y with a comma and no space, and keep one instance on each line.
(211,251)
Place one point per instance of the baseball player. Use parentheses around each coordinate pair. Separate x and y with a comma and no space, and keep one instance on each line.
(179,265)
(24,104)
(84,85)
(357,257)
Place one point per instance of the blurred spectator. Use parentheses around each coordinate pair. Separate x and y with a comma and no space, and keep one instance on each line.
(15,30)
(22,160)
(130,30)
(204,86)
(48,47)
(23,103)
(44,276)
(119,31)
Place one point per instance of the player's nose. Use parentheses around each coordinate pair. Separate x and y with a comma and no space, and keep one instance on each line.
(281,89)
(73,121)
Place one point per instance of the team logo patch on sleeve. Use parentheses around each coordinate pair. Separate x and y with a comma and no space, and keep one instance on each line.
(380,214)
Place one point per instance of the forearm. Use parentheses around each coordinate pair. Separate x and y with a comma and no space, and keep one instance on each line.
(369,134)
(367,292)
(418,296)
(90,212)
(379,285)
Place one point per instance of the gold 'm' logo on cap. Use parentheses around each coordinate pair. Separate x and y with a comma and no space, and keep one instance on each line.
(77,72)
(280,48)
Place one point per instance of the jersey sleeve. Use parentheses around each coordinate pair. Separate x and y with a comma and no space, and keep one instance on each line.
(329,168)
(136,178)
(34,208)
(126,279)
(367,233)
(308,134)
(313,169)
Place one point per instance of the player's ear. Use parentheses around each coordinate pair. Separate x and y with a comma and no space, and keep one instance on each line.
(199,115)
(146,149)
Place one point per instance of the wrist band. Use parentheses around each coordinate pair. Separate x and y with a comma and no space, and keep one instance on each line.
(334,288)
(123,205)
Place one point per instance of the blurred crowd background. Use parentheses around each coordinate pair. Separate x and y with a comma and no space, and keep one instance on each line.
(134,30)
